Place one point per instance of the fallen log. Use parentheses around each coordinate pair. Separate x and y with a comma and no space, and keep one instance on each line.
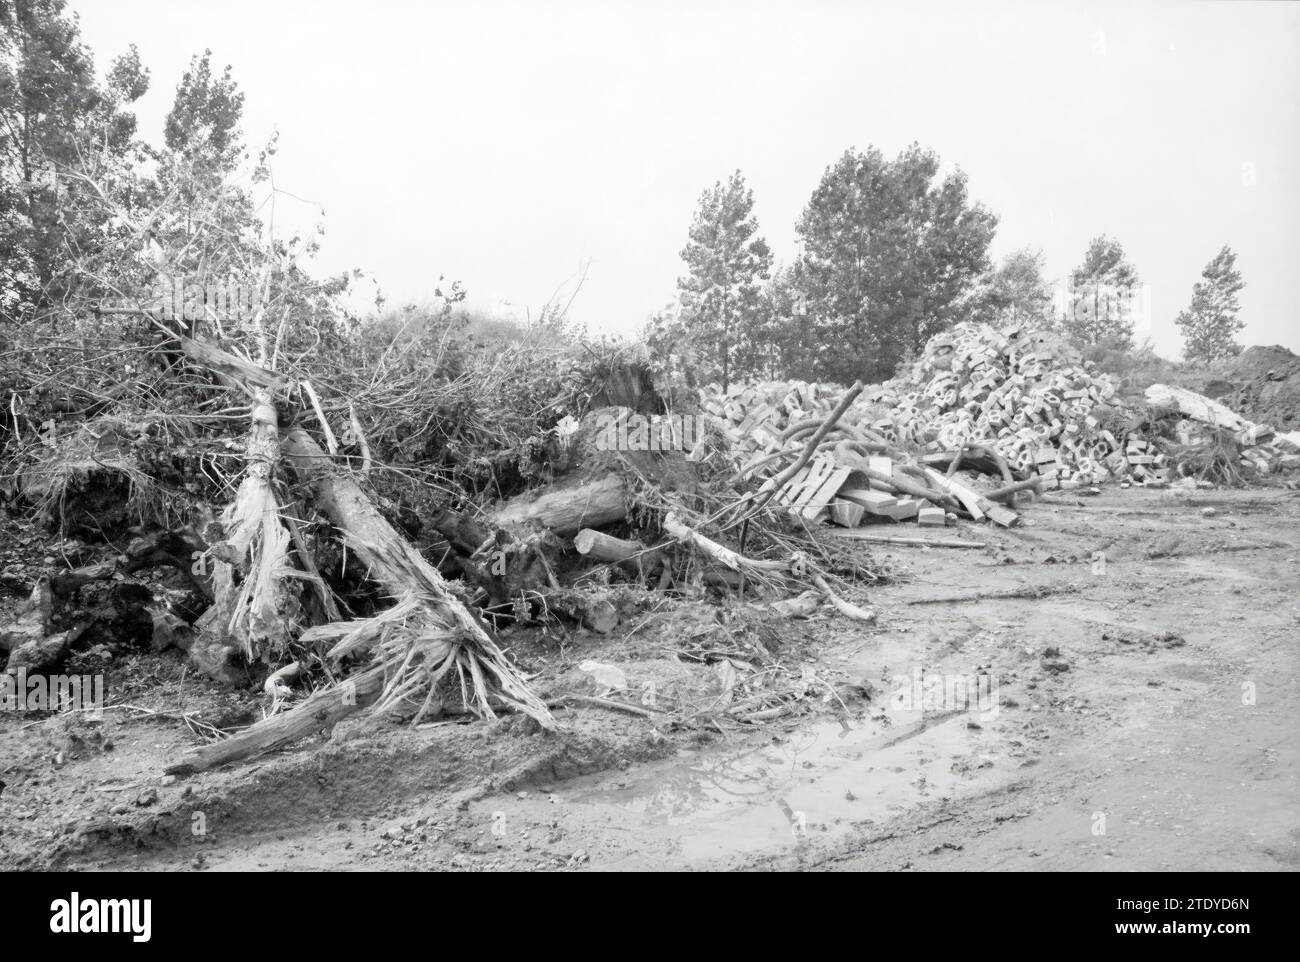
(567,510)
(594,702)
(605,547)
(404,573)
(322,710)
(232,370)
(461,531)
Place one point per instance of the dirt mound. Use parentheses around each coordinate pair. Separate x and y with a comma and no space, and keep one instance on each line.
(1263,384)
(1260,360)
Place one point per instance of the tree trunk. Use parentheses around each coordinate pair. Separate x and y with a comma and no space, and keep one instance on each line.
(566,511)
(403,572)
(322,710)
(605,547)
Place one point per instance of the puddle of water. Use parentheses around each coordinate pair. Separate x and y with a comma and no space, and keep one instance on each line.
(821,779)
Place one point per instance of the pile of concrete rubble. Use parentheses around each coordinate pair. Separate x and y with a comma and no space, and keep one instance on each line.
(1023,402)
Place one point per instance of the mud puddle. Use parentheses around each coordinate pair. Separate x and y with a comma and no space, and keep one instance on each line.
(827,777)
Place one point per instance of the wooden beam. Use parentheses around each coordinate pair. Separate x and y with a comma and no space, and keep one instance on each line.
(863,534)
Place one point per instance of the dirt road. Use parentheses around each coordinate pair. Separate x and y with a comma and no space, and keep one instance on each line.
(1139,712)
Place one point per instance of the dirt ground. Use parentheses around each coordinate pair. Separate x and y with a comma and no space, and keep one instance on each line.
(1137,713)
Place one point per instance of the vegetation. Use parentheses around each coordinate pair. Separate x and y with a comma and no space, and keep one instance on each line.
(721,295)
(889,252)
(1103,297)
(1210,324)
(93,215)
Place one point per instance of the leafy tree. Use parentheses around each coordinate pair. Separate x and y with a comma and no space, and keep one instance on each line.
(673,362)
(53,116)
(1210,323)
(202,126)
(1103,297)
(727,263)
(791,349)
(1015,292)
(193,222)
(203,148)
(206,229)
(889,253)
(47,84)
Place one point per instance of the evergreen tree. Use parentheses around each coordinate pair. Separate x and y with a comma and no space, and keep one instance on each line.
(727,263)
(1210,323)
(890,252)
(1103,297)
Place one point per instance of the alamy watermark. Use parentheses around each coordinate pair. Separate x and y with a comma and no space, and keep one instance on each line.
(75,915)
(190,299)
(20,691)
(1126,303)
(658,432)
(942,691)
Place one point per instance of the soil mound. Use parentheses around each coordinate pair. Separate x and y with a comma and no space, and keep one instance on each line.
(1264,385)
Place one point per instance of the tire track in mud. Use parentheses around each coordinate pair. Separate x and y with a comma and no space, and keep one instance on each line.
(1162,754)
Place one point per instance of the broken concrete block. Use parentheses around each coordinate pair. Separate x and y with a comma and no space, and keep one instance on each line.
(846,513)
(931,516)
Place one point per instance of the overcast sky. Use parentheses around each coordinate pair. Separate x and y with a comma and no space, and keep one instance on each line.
(505,144)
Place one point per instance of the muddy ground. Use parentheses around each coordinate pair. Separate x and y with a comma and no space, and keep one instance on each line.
(1139,713)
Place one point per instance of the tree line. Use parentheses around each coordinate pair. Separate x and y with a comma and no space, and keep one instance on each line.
(889,253)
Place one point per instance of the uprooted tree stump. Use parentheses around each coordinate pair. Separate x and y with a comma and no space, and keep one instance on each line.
(258,611)
(415,645)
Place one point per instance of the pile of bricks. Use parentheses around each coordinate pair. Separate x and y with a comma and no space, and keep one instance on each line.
(754,415)
(1027,396)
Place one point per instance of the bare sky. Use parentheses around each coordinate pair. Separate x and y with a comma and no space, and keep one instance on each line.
(503,143)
